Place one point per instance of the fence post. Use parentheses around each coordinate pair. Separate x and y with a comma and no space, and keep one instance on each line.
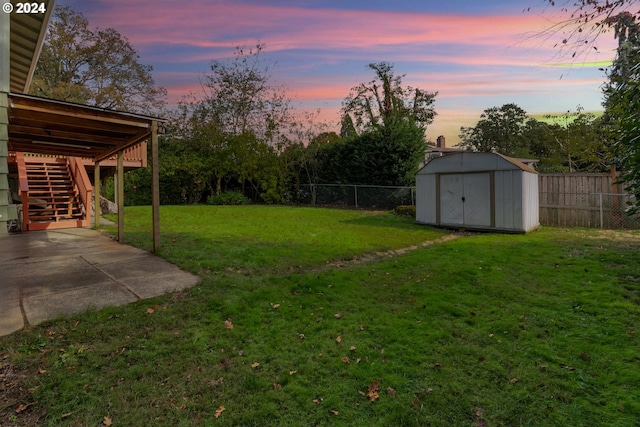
(601,213)
(355,194)
(413,202)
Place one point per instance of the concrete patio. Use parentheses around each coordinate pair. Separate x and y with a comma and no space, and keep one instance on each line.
(45,274)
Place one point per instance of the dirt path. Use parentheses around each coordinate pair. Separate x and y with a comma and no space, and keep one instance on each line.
(376,256)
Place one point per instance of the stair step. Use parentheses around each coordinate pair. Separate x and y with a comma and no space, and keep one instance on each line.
(48,195)
(43,216)
(54,218)
(52,196)
(45,185)
(58,183)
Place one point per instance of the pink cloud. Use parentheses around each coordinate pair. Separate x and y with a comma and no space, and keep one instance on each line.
(221,24)
(493,57)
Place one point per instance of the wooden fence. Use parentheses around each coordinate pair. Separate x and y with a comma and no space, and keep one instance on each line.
(584,200)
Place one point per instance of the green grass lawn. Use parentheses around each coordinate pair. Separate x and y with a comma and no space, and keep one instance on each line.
(296,323)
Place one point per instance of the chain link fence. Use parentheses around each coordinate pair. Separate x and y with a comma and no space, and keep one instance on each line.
(594,210)
(591,210)
(355,196)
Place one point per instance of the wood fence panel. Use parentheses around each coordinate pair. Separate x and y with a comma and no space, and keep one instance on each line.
(583,200)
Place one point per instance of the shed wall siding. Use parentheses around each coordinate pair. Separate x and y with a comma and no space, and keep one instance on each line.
(426,199)
(530,199)
(508,199)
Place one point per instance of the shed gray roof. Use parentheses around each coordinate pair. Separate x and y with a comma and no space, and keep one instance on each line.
(468,161)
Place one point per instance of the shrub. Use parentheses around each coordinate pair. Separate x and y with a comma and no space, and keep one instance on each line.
(406,210)
(228,198)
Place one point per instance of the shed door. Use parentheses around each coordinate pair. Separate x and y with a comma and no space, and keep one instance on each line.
(465,199)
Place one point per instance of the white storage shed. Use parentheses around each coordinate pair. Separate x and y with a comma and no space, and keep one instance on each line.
(479,191)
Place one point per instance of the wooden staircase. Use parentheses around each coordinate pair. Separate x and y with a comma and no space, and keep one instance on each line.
(55,192)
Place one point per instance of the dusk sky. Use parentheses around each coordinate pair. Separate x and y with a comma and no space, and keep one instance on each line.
(475,54)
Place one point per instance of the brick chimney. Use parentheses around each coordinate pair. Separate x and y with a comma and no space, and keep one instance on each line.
(440,143)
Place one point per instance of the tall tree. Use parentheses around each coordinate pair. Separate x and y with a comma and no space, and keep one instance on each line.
(241,97)
(238,126)
(383,127)
(500,129)
(587,20)
(384,99)
(622,103)
(93,66)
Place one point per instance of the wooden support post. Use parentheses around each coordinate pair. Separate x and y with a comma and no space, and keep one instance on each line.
(120,195)
(155,186)
(96,195)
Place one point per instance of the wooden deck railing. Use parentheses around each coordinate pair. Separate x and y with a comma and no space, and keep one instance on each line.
(82,186)
(135,156)
(23,187)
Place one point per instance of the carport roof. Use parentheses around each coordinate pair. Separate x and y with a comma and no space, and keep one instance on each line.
(27,31)
(45,126)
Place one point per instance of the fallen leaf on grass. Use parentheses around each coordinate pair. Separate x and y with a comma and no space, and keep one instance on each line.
(228,324)
(292,372)
(317,401)
(255,365)
(338,315)
(151,310)
(107,422)
(301,336)
(334,412)
(277,386)
(345,360)
(41,371)
(391,391)
(373,389)
(352,348)
(22,407)
(276,306)
(479,418)
(219,412)
(339,339)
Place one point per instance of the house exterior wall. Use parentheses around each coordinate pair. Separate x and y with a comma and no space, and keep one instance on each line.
(7,211)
